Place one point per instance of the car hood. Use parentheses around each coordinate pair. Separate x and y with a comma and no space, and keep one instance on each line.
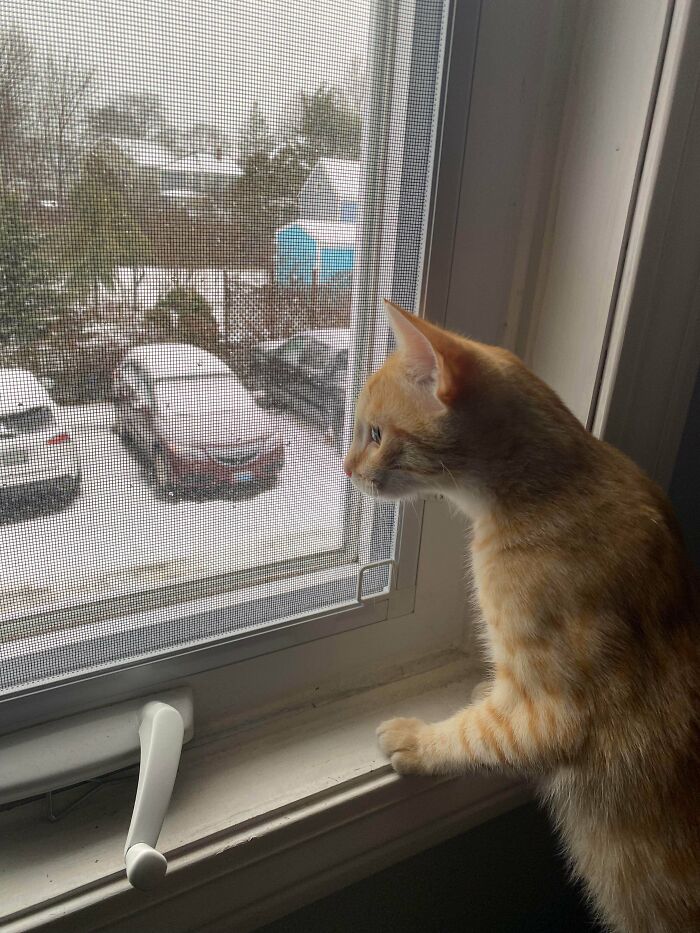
(217,428)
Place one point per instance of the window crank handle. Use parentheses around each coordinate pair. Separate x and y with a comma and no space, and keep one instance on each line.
(161,732)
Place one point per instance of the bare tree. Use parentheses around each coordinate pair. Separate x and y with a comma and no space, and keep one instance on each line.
(16,72)
(62,102)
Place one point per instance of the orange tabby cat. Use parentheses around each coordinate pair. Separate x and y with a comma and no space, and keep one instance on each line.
(589,606)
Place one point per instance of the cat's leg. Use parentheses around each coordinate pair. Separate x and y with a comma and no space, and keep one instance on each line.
(481,691)
(500,731)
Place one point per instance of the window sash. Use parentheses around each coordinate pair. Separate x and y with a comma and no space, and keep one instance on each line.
(295,612)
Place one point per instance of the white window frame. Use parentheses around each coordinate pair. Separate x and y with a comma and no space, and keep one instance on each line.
(653,351)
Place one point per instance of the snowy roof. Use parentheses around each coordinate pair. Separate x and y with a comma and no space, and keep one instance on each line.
(169,360)
(151,155)
(20,389)
(295,144)
(201,163)
(343,174)
(143,153)
(325,234)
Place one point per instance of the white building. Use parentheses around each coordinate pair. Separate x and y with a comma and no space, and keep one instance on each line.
(331,192)
(191,177)
(200,174)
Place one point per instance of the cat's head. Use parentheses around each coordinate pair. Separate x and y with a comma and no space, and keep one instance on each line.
(448,415)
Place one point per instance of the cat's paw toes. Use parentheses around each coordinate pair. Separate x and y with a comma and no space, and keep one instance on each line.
(402,741)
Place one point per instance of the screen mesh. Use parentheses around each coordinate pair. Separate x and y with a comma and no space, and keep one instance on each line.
(201,206)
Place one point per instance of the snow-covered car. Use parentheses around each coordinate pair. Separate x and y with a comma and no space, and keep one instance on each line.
(195,422)
(144,367)
(37,454)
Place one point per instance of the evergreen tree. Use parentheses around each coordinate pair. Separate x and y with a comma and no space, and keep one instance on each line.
(258,195)
(330,122)
(28,300)
(256,135)
(184,313)
(102,232)
(258,205)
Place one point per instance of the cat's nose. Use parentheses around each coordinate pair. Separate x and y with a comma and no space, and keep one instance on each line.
(346,467)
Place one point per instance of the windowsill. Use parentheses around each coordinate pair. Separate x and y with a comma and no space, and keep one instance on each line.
(288,783)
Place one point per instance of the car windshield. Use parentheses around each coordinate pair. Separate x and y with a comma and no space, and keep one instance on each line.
(195,396)
(25,421)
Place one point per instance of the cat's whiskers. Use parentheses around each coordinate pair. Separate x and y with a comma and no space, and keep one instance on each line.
(449,473)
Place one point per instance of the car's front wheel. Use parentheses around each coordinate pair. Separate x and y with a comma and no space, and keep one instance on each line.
(164,480)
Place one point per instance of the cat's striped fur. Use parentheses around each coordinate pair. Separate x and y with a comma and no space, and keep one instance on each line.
(590,616)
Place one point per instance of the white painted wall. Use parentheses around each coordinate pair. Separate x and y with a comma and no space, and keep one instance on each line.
(607,109)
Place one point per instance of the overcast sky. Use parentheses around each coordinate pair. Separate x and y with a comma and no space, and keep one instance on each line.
(207,59)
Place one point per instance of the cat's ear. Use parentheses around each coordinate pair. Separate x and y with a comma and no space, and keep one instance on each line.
(427,352)
(418,353)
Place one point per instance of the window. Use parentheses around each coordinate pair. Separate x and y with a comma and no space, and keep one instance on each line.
(348,212)
(143,201)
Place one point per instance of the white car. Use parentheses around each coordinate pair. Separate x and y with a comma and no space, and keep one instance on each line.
(37,453)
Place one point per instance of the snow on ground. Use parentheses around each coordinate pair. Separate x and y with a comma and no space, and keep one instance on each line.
(117,537)
(143,286)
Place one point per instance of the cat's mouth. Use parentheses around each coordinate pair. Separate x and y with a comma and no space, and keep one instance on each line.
(366,487)
(391,486)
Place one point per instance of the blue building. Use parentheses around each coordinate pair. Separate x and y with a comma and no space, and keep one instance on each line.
(311,252)
(320,246)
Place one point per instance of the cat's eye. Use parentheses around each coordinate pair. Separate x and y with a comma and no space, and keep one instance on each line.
(375,434)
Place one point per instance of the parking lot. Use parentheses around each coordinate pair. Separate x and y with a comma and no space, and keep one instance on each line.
(118,537)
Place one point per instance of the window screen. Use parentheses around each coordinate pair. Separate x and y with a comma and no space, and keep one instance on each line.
(202,204)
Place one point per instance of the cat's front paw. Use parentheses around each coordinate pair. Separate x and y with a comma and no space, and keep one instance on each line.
(404,742)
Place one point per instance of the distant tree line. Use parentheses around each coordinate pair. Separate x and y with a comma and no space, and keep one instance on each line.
(74,208)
